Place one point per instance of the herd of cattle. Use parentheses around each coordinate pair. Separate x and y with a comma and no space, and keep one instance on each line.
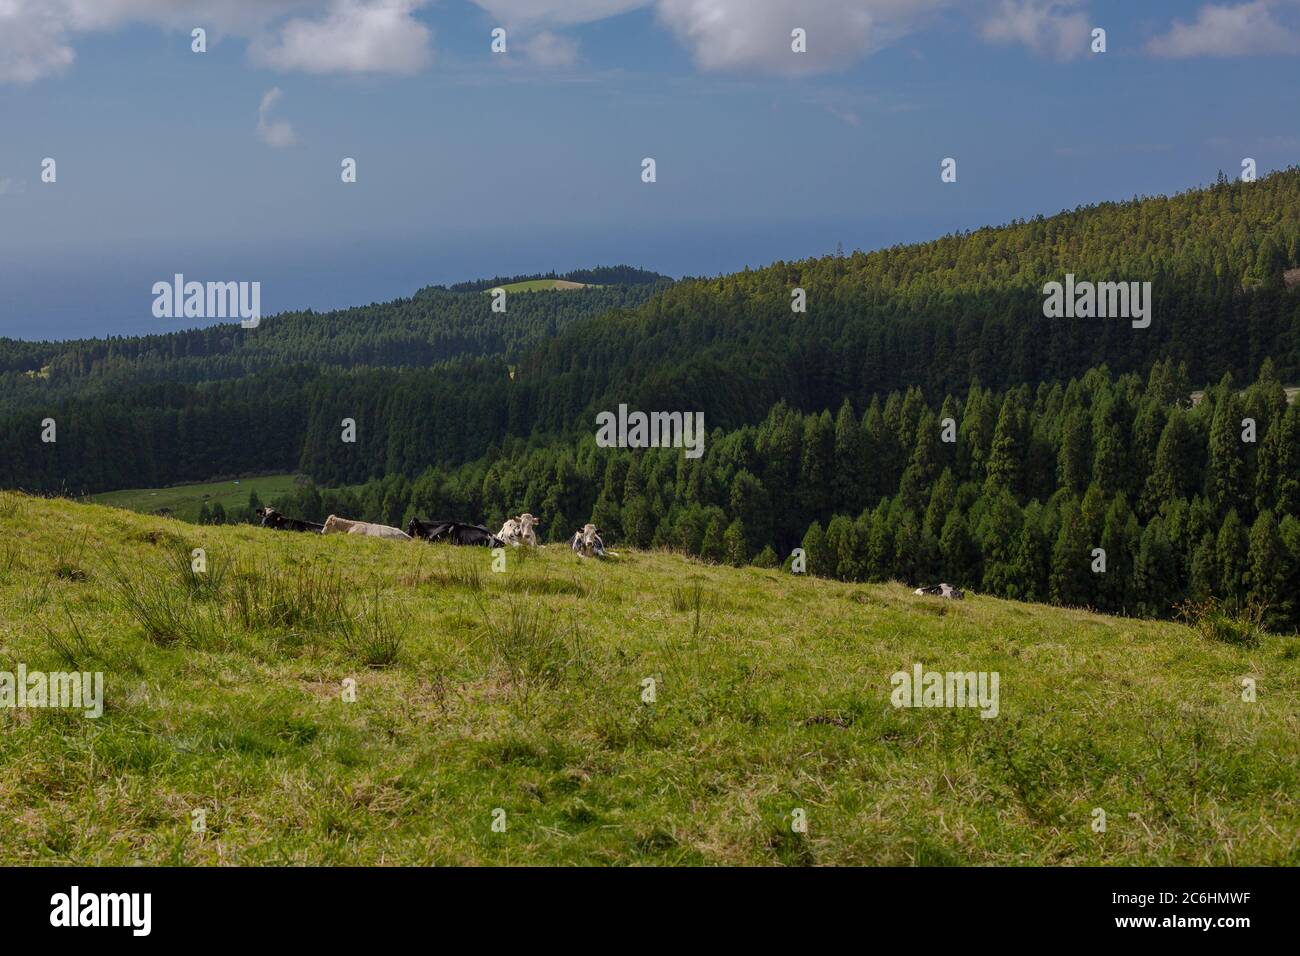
(515,532)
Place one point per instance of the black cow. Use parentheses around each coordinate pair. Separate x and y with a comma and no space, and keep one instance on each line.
(453,532)
(273,519)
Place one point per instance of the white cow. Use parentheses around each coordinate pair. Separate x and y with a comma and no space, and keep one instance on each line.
(509,532)
(336,525)
(587,544)
(517,531)
(526,525)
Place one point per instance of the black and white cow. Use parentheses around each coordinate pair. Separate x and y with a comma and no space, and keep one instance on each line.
(453,532)
(587,544)
(942,590)
(273,519)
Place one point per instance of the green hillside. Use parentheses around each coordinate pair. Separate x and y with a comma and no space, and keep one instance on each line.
(544,285)
(185,501)
(523,691)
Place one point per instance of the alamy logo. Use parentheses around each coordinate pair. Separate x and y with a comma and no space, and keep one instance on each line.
(74,908)
(652,430)
(69,691)
(922,688)
(1098,300)
(212,300)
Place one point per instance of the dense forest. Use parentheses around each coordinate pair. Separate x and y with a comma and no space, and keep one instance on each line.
(434,326)
(825,425)
(1032,480)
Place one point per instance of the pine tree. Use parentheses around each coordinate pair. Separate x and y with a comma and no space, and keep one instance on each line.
(1113,587)
(1203,579)
(638,522)
(1071,559)
(1154,583)
(1175,472)
(713,548)
(998,534)
(817,465)
(733,542)
(943,500)
(958,552)
(1003,472)
(1225,474)
(1074,458)
(1265,577)
(1231,556)
(880,544)
(849,480)
(851,552)
(815,551)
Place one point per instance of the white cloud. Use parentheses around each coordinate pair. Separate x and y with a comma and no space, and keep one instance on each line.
(737,35)
(33,43)
(355,36)
(548,49)
(1241,30)
(275,133)
(557,12)
(1051,28)
(37,36)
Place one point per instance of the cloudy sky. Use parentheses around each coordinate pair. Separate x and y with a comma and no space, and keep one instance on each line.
(226,164)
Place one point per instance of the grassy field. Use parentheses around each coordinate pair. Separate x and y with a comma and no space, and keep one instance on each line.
(519,697)
(184,501)
(544,285)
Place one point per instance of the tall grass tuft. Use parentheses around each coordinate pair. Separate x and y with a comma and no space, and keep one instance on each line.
(299,597)
(531,644)
(1216,621)
(454,573)
(690,599)
(374,635)
(72,646)
(197,585)
(161,609)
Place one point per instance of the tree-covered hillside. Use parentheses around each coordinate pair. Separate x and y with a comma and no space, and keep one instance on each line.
(433,326)
(823,423)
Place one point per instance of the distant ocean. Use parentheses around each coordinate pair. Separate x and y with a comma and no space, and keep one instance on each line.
(84,291)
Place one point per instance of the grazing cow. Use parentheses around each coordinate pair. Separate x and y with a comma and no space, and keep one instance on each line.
(587,544)
(273,519)
(336,525)
(453,532)
(942,590)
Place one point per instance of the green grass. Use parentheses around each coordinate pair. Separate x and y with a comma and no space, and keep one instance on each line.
(544,285)
(523,691)
(184,501)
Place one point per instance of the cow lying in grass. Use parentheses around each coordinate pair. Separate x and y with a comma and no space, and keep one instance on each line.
(273,519)
(453,532)
(517,531)
(942,590)
(587,544)
(336,525)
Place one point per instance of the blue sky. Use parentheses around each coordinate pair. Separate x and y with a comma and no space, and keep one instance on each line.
(474,164)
